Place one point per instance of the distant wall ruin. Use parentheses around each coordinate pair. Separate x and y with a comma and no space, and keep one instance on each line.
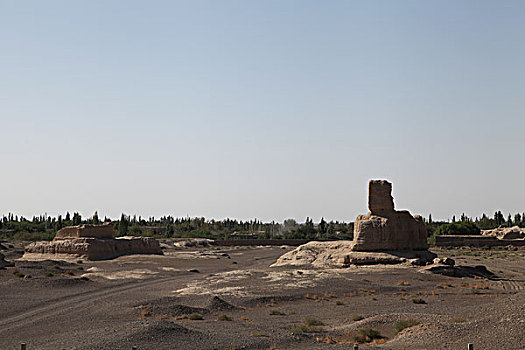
(93,242)
(80,231)
(476,241)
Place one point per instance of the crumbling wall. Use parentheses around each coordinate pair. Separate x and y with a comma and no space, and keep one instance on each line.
(384,228)
(95,231)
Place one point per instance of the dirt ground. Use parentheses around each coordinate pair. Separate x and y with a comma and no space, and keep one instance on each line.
(229,298)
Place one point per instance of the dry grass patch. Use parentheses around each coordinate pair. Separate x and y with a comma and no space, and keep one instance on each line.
(312,321)
(369,335)
(310,325)
(195,316)
(366,335)
(18,274)
(357,317)
(277,313)
(224,318)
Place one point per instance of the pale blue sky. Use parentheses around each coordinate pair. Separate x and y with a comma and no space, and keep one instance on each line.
(266,109)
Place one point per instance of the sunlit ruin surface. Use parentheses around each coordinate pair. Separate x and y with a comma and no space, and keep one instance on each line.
(92,242)
(383,236)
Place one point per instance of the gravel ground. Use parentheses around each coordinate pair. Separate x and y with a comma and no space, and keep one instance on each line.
(210,298)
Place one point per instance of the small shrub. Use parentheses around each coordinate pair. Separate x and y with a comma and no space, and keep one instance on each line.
(367,335)
(18,274)
(70,273)
(418,301)
(356,317)
(145,313)
(195,316)
(299,329)
(311,321)
(224,318)
(49,274)
(79,261)
(400,325)
(310,325)
(457,320)
(339,302)
(277,313)
(55,267)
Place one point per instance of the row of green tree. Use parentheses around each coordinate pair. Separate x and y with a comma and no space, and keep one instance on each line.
(44,227)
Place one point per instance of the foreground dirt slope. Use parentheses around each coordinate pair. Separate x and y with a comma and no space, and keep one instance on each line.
(145,301)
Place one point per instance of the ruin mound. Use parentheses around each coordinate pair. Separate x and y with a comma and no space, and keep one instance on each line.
(91,242)
(385,228)
(383,236)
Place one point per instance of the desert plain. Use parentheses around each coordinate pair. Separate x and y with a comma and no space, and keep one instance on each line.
(231,298)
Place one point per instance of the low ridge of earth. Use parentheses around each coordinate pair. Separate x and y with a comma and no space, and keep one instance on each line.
(230,298)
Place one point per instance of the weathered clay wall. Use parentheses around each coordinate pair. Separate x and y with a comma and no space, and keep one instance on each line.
(384,228)
(380,198)
(95,231)
(97,249)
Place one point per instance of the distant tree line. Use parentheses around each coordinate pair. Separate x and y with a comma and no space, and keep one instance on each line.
(472,226)
(44,227)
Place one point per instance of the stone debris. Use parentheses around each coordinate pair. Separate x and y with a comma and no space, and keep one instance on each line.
(92,242)
(444,261)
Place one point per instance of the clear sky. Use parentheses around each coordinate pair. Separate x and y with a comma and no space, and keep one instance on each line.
(261,109)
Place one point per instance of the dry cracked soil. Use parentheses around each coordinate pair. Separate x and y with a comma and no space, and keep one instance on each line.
(230,298)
